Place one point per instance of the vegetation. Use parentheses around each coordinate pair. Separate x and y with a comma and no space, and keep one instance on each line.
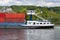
(50,13)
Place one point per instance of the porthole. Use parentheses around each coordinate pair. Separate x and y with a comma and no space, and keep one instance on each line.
(34,23)
(40,23)
(44,23)
(37,23)
(47,23)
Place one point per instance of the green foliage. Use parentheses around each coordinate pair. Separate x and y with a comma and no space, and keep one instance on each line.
(18,9)
(52,13)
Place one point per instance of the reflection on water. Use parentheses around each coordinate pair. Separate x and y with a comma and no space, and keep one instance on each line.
(26,34)
(57,33)
(12,34)
(30,34)
(40,34)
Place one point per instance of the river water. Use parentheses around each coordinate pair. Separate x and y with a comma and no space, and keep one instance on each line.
(30,34)
(40,34)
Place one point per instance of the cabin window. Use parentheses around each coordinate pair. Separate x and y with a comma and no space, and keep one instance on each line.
(44,23)
(34,23)
(47,23)
(37,23)
(40,23)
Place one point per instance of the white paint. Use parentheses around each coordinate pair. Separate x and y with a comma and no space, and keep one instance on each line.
(30,12)
(38,23)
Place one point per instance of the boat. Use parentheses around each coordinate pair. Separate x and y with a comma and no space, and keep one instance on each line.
(38,24)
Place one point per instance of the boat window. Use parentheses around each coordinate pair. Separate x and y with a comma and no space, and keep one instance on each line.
(44,23)
(47,23)
(37,23)
(34,23)
(40,23)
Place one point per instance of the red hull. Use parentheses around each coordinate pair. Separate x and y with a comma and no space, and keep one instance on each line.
(12,17)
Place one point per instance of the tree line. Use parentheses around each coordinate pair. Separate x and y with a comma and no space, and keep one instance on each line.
(50,13)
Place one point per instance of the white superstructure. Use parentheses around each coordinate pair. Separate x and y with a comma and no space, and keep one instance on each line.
(38,23)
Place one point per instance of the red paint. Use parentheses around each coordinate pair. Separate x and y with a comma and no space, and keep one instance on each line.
(2,20)
(20,20)
(12,17)
(15,15)
(2,15)
(15,20)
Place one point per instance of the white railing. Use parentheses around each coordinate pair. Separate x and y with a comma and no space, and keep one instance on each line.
(40,17)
